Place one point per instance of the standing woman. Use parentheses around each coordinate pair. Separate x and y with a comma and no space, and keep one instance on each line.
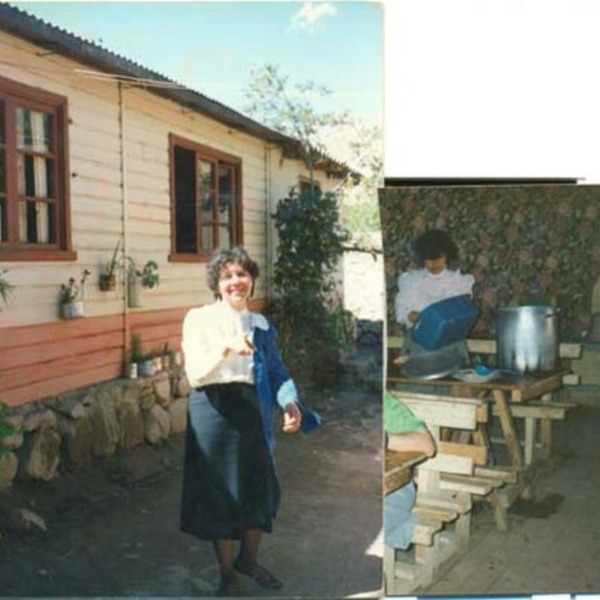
(230,490)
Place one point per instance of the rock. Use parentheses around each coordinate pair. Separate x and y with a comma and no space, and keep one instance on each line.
(157,424)
(162,390)
(178,414)
(129,415)
(9,464)
(70,405)
(29,520)
(147,397)
(106,430)
(78,441)
(15,440)
(39,419)
(182,387)
(20,520)
(39,456)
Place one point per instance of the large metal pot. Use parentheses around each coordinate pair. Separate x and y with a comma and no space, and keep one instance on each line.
(527,338)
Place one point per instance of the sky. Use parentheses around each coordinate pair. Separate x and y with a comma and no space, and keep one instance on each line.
(492,88)
(211,46)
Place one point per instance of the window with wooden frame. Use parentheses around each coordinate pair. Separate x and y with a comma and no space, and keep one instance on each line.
(205,200)
(34,219)
(304,186)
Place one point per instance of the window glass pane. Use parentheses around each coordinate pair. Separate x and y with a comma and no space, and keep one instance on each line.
(226,183)
(207,237)
(2,126)
(3,233)
(185,201)
(2,172)
(34,130)
(224,236)
(206,187)
(36,223)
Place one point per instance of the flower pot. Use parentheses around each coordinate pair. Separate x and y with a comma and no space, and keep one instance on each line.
(146,368)
(131,370)
(134,289)
(72,310)
(108,282)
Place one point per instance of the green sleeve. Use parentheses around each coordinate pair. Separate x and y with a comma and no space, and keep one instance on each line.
(398,418)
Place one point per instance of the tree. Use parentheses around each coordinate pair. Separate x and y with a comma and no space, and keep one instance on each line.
(310,319)
(289,108)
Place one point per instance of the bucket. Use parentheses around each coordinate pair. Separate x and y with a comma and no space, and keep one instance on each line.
(527,338)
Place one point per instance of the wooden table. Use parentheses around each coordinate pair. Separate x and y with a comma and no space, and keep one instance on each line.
(504,391)
(507,394)
(398,467)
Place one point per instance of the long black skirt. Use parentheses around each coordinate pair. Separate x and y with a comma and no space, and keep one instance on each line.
(229,480)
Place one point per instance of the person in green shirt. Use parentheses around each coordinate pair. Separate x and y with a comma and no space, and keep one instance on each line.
(404,433)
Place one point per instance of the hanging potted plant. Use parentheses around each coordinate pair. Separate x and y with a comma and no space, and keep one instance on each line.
(146,277)
(71,297)
(108,279)
(6,289)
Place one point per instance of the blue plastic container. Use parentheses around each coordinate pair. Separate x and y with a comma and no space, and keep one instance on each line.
(445,322)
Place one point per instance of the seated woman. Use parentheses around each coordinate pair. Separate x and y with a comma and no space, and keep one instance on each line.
(404,433)
(435,280)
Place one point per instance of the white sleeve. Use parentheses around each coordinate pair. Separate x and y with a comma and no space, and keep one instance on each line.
(405,298)
(201,345)
(465,284)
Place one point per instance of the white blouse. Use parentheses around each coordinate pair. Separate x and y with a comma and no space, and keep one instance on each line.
(418,289)
(206,331)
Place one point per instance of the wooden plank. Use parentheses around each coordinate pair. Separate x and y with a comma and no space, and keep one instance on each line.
(448,411)
(27,376)
(424,531)
(449,463)
(565,350)
(504,474)
(45,353)
(456,501)
(59,385)
(478,454)
(508,429)
(480,486)
(435,514)
(538,410)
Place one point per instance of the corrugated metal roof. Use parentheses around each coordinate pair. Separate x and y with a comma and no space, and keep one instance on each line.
(19,22)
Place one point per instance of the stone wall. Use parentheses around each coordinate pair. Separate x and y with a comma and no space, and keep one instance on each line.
(69,431)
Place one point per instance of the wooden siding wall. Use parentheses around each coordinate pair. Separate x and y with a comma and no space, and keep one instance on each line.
(41,355)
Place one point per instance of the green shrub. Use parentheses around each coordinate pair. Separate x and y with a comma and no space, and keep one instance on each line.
(313,327)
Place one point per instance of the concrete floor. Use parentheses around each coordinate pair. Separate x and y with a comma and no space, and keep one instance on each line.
(553,544)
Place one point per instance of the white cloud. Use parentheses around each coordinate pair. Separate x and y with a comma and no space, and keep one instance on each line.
(311,13)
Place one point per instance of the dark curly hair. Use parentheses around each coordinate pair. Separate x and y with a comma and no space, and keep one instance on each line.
(222,257)
(434,243)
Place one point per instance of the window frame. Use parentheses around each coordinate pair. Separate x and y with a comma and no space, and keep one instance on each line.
(16,95)
(209,154)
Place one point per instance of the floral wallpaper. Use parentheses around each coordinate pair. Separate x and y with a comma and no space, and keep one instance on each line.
(524,244)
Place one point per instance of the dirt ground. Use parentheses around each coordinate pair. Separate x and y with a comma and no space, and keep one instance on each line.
(113,531)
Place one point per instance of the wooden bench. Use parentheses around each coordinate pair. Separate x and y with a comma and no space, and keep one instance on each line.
(444,515)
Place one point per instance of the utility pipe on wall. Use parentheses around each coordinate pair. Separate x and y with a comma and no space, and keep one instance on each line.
(125,217)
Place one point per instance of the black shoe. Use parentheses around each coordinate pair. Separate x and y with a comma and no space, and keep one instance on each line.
(263,577)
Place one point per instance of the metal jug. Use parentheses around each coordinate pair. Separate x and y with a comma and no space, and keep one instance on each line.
(527,338)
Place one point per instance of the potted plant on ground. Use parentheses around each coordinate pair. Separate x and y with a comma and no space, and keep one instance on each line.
(138,278)
(6,289)
(132,366)
(71,297)
(108,279)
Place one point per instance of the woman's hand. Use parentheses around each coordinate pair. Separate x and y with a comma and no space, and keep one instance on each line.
(292,418)
(239,345)
(413,316)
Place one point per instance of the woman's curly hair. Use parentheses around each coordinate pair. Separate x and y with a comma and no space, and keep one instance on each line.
(434,243)
(222,257)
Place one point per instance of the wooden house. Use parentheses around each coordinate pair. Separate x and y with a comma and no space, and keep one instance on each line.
(96,150)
